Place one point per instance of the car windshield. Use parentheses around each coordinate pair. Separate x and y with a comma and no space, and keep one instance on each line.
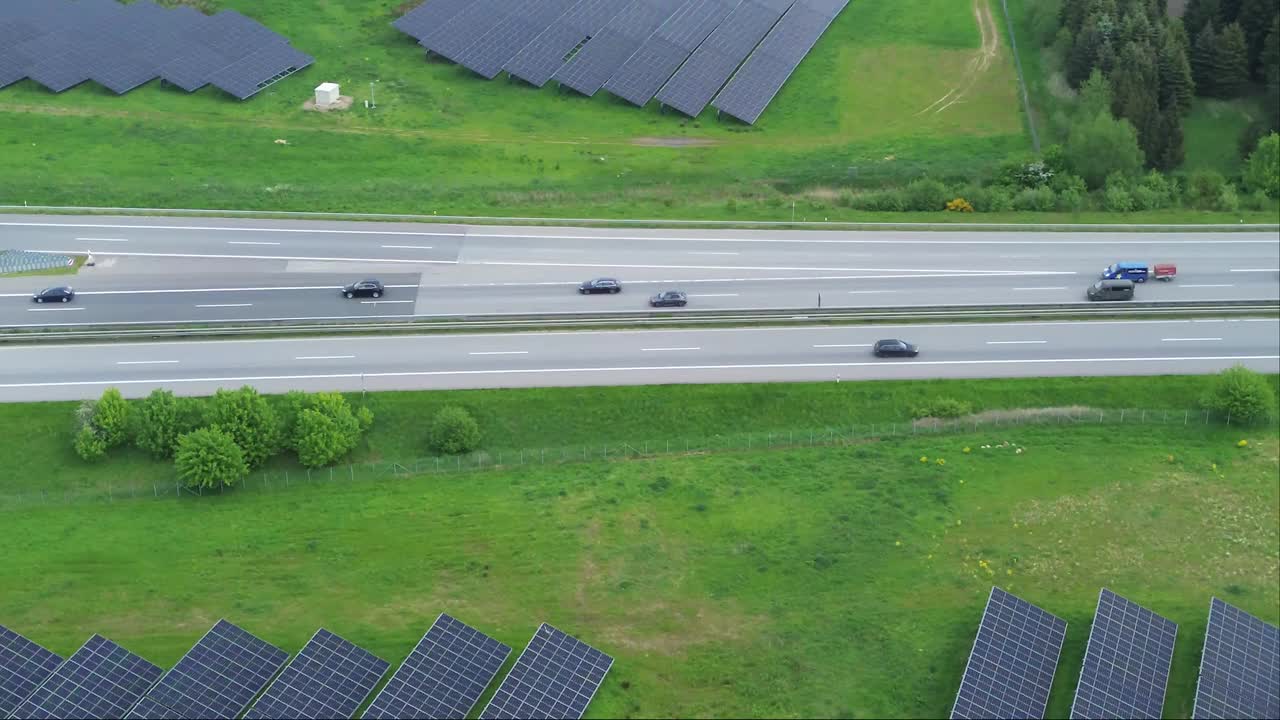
(1097,285)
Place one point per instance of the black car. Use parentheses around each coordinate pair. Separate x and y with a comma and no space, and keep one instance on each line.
(895,348)
(55,294)
(364,288)
(669,298)
(600,285)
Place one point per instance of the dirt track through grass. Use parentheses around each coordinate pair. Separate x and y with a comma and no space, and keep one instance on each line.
(980,63)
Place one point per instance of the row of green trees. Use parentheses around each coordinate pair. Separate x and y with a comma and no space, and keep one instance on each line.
(216,442)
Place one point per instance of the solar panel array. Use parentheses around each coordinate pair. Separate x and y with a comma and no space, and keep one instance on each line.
(217,678)
(1126,664)
(101,680)
(1240,666)
(23,666)
(444,676)
(681,52)
(330,678)
(62,43)
(1011,666)
(764,73)
(555,677)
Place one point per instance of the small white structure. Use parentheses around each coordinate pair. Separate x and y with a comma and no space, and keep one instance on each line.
(327,94)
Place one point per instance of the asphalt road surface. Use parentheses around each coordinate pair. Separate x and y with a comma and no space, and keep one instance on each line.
(226,270)
(641,357)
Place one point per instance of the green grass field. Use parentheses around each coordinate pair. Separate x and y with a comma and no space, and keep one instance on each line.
(801,583)
(861,109)
(1213,130)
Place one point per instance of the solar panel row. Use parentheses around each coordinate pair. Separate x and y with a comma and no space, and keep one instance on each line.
(602,56)
(1240,666)
(555,677)
(100,680)
(60,44)
(1126,664)
(491,51)
(553,47)
(640,77)
(23,666)
(330,678)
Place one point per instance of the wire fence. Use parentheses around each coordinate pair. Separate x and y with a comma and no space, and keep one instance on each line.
(280,480)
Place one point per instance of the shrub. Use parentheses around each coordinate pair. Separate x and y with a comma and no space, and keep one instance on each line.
(209,458)
(1228,200)
(1242,395)
(111,418)
(959,205)
(88,444)
(1204,187)
(288,409)
(1262,170)
(925,194)
(1117,199)
(1101,145)
(999,199)
(454,431)
(249,420)
(159,423)
(326,430)
(1161,190)
(1258,200)
(1040,199)
(941,407)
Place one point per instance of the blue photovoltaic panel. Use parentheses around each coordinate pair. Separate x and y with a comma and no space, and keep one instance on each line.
(444,676)
(455,36)
(710,66)
(661,55)
(330,678)
(491,51)
(1126,665)
(246,77)
(760,78)
(1240,666)
(191,70)
(101,680)
(555,677)
(601,57)
(23,666)
(552,48)
(217,678)
(429,15)
(1011,665)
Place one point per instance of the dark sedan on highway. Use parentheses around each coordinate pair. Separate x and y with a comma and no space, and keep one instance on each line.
(600,285)
(895,348)
(364,288)
(55,294)
(669,298)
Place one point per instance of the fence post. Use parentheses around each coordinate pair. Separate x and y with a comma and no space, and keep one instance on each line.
(1121,414)
(1228,416)
(351,473)
(1186,416)
(1144,417)
(330,473)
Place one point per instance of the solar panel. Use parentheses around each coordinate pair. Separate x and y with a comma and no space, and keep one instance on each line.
(487,54)
(760,78)
(217,678)
(235,36)
(555,677)
(419,21)
(601,57)
(100,680)
(542,57)
(191,70)
(444,676)
(23,666)
(60,72)
(451,38)
(330,678)
(1240,666)
(710,66)
(1126,665)
(661,55)
(1011,665)
(13,66)
(246,77)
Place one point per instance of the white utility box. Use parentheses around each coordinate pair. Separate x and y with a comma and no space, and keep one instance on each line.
(327,94)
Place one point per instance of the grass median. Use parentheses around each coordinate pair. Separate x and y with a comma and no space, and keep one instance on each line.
(814,582)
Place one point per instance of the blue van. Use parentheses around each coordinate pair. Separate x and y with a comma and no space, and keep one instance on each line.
(1134,271)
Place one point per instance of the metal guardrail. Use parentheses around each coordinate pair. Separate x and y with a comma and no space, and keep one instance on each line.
(787,316)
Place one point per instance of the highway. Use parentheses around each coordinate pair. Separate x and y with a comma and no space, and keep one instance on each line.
(210,270)
(1032,349)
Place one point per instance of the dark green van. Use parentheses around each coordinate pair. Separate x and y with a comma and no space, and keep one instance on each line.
(1111,290)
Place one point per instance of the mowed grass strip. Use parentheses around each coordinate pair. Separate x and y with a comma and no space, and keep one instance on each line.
(578,418)
(802,583)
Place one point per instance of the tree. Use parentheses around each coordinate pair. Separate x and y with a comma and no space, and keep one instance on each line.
(1171,149)
(289,410)
(1204,61)
(1135,96)
(1094,97)
(111,418)
(1242,395)
(88,444)
(454,431)
(326,430)
(1231,63)
(1083,58)
(1256,18)
(209,458)
(1200,14)
(1177,87)
(1103,145)
(159,423)
(1262,170)
(249,420)
(1270,61)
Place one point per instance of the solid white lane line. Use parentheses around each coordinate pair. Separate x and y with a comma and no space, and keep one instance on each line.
(844,346)
(324,357)
(407,247)
(148,362)
(102,240)
(715,295)
(1017,342)
(219,256)
(1200,286)
(1257,270)
(222,305)
(195,228)
(501,352)
(207,290)
(879,365)
(385,302)
(709,252)
(250,242)
(958,272)
(1041,288)
(870,292)
(1189,339)
(668,349)
(53,309)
